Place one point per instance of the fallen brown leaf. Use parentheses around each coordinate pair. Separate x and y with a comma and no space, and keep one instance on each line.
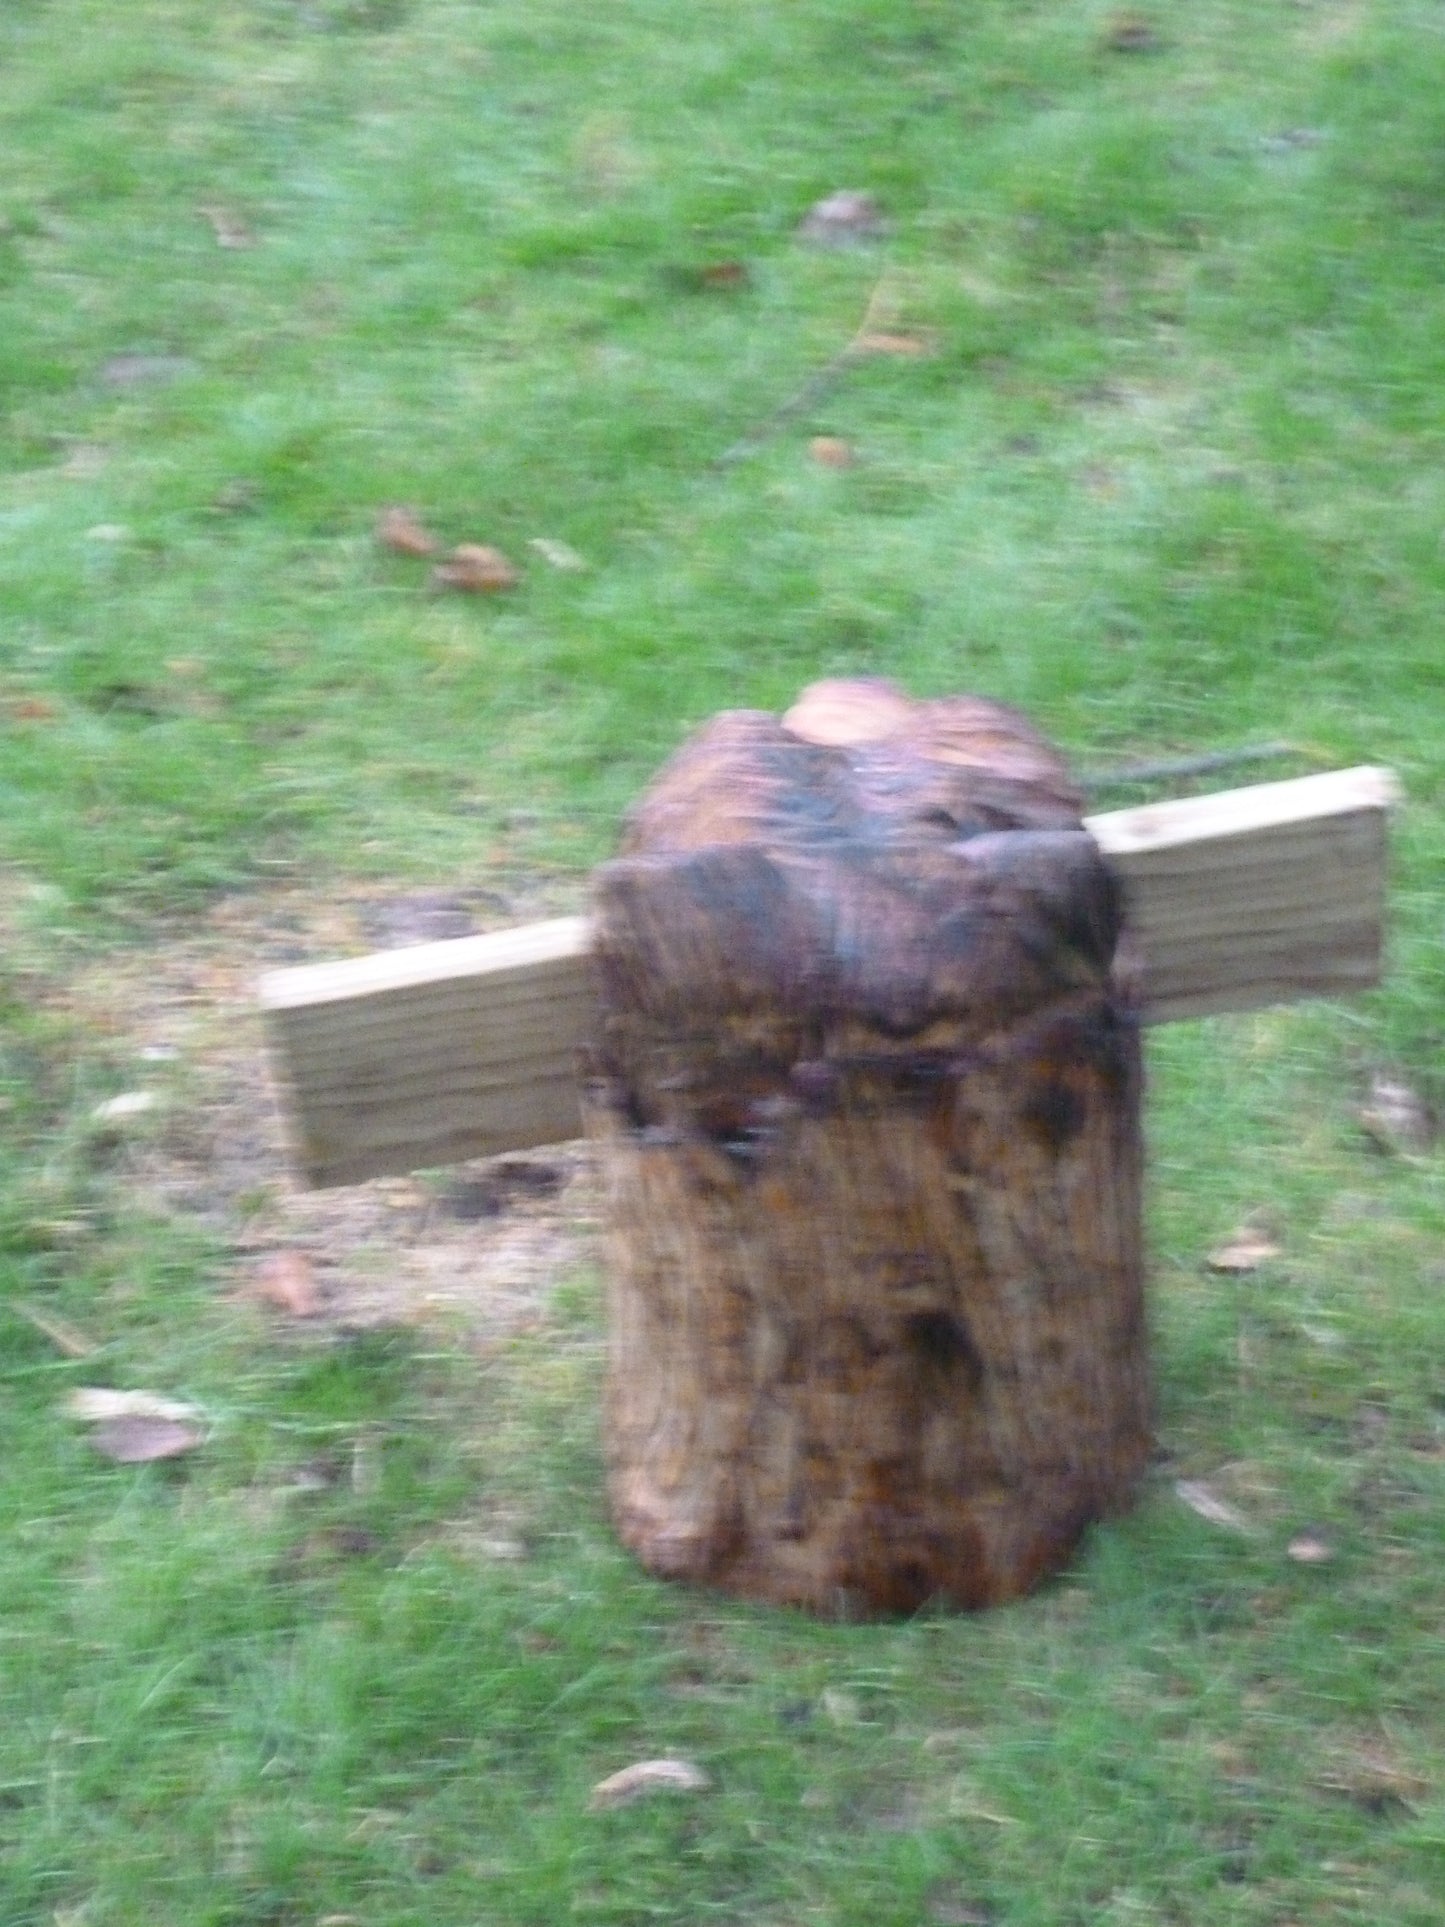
(287,1280)
(841,1707)
(30,709)
(85,461)
(888,343)
(1396,1117)
(1306,1549)
(1130,33)
(1371,1779)
(1209,1506)
(236,497)
(137,1440)
(1100,480)
(842,220)
(125,371)
(724,274)
(1247,1250)
(560,555)
(829,451)
(948,1908)
(475,569)
(645,1778)
(502,1546)
(229,229)
(97,1404)
(126,1108)
(400,530)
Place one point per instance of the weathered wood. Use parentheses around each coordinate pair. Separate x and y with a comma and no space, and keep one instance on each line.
(1256,896)
(866,1096)
(467,1048)
(434,1053)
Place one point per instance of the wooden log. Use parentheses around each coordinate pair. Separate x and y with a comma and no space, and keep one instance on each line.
(465,1049)
(866,1095)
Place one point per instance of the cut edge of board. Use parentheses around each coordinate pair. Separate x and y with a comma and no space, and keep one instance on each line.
(527,947)
(1244,812)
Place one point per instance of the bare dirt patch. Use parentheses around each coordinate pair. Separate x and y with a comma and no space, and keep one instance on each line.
(478,1248)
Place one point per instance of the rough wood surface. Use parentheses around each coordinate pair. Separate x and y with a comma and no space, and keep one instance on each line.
(1256,896)
(434,1053)
(462,1049)
(866,1093)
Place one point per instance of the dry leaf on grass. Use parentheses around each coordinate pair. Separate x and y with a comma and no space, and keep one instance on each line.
(1308,1549)
(236,497)
(30,709)
(475,569)
(646,1778)
(829,451)
(126,371)
(886,342)
(1372,1780)
(1130,33)
(842,220)
(502,1546)
(287,1280)
(1209,1506)
(947,1908)
(137,1440)
(1247,1250)
(1395,1117)
(840,1707)
(558,555)
(125,1108)
(85,461)
(229,229)
(724,274)
(96,1404)
(402,531)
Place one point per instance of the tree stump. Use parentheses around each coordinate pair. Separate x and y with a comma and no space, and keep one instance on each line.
(866,1093)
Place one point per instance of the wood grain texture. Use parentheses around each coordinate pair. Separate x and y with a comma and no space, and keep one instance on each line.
(866,1097)
(1255,896)
(422,1056)
(434,1053)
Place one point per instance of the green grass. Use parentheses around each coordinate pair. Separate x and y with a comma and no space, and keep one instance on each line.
(1171,480)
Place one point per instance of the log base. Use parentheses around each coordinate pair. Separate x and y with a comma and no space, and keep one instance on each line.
(899,1359)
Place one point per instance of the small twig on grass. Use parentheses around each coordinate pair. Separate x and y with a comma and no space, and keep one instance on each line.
(1173,768)
(813,389)
(64,1336)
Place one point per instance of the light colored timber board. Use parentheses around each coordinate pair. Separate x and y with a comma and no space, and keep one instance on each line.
(432,1054)
(443,1051)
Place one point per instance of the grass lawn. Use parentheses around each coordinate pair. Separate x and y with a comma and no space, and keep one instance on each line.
(1170,475)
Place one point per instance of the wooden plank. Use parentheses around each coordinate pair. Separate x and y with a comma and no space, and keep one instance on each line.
(465,1049)
(431,1054)
(1256,896)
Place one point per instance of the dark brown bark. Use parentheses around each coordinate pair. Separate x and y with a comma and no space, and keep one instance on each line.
(867,1094)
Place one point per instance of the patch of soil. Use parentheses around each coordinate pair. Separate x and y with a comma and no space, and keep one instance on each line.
(477,1248)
